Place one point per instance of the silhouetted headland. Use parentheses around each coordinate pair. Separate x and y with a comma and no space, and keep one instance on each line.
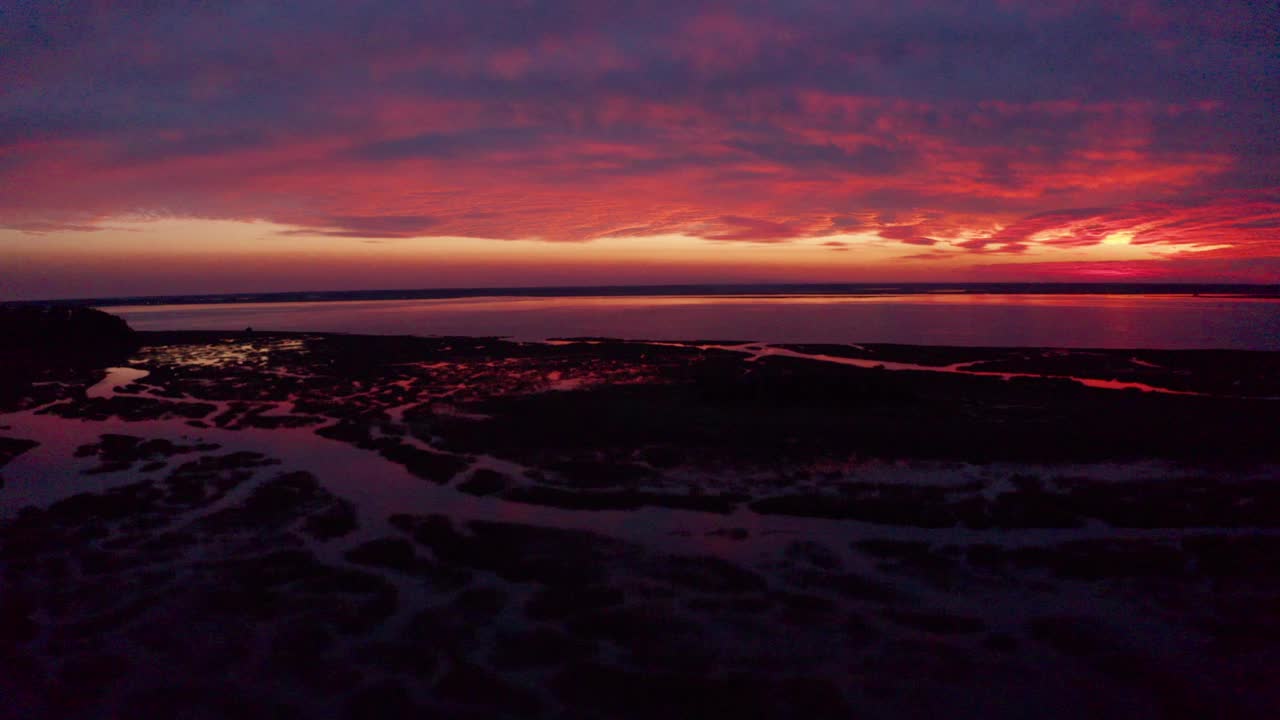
(51,343)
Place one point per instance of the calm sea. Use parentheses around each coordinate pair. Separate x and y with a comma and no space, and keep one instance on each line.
(1082,321)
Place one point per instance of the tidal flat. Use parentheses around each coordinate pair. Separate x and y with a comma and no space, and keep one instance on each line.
(226,524)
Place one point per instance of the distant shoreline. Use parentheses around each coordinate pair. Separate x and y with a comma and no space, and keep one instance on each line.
(1223,290)
(183,337)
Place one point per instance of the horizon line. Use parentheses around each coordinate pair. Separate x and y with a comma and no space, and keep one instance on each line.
(868,288)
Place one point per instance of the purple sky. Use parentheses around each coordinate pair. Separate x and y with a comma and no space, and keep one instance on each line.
(205,147)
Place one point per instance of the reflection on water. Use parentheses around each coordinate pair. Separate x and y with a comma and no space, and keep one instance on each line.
(1097,321)
(117,377)
(960,368)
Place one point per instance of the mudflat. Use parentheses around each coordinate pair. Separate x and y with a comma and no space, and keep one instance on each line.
(210,524)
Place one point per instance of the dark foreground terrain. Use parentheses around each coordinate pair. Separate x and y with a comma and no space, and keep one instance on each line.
(273,525)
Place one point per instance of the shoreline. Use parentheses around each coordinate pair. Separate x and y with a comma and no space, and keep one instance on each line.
(958,359)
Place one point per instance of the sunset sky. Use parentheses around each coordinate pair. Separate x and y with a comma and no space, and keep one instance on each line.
(183,147)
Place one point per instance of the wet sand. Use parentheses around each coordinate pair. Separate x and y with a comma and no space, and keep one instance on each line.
(291,525)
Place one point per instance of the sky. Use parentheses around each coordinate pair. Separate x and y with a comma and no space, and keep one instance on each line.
(201,147)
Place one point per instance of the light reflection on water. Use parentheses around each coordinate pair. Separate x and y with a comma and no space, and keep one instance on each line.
(956,368)
(1081,321)
(380,488)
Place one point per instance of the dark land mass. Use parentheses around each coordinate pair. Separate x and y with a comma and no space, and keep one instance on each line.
(44,347)
(796,578)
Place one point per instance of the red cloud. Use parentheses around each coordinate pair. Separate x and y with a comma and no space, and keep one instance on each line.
(571,121)
(909,234)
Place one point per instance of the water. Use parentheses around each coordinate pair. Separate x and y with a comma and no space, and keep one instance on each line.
(1080,321)
(942,670)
